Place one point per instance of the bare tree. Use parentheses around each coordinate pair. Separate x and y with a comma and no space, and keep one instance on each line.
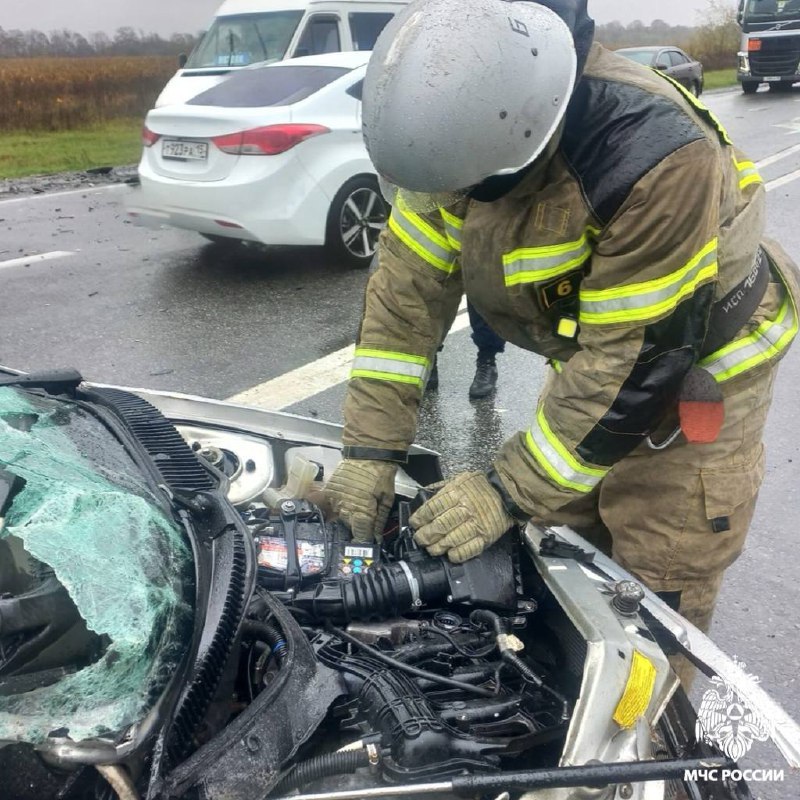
(716,42)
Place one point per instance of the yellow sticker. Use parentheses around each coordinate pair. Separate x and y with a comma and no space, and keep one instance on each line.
(638,691)
(567,328)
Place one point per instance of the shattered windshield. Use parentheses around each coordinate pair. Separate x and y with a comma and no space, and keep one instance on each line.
(93,577)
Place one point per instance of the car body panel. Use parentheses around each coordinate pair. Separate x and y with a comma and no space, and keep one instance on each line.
(281,199)
(785,733)
(672,61)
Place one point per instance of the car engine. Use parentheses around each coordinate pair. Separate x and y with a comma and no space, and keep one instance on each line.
(427,656)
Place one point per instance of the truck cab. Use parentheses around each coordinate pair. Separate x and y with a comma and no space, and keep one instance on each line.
(770,44)
(246,32)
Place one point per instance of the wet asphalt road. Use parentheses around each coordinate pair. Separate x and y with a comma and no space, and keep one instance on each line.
(163,309)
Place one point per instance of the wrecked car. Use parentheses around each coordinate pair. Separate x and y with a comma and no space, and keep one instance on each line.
(180,619)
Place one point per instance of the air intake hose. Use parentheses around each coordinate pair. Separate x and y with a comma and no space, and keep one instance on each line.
(391,590)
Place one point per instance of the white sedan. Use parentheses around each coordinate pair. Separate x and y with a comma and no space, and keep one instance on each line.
(272,154)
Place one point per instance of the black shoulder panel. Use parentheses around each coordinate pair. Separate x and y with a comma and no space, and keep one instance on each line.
(615,133)
(670,348)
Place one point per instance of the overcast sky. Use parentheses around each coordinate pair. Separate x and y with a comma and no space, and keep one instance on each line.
(181,16)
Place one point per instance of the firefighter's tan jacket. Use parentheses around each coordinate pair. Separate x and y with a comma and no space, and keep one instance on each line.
(607,259)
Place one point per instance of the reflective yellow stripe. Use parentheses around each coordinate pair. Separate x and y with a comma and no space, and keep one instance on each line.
(452,227)
(748,174)
(388,365)
(640,302)
(423,239)
(533,264)
(554,458)
(703,109)
(767,342)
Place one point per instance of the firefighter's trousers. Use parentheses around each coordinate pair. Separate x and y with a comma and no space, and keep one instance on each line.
(678,517)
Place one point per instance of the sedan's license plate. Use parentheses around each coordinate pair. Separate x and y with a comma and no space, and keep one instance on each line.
(185,151)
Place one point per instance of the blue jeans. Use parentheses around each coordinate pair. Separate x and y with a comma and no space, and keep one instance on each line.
(485,339)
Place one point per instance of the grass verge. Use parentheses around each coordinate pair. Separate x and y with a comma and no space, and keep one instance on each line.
(719,79)
(109,144)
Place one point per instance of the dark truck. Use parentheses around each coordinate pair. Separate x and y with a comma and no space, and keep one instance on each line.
(770,47)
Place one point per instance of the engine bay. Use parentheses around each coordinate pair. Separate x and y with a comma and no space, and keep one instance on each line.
(429,657)
(295,659)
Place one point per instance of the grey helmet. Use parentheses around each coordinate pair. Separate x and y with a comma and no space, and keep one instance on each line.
(457,91)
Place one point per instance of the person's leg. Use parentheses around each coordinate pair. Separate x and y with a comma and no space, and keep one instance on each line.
(679,517)
(484,338)
(489,344)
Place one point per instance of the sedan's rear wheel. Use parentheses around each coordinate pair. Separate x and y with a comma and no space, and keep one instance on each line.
(356,218)
(695,88)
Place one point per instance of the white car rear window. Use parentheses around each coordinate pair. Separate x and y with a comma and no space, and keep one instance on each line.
(269,86)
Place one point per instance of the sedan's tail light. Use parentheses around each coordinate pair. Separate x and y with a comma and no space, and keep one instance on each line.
(267,141)
(148,137)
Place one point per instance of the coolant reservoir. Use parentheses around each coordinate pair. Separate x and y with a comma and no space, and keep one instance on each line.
(299,481)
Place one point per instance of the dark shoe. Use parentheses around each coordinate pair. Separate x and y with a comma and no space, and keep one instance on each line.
(485,380)
(433,379)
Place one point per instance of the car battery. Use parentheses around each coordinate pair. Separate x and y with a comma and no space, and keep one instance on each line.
(296,547)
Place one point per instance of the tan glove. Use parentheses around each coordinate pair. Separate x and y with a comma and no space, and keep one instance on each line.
(360,493)
(462,519)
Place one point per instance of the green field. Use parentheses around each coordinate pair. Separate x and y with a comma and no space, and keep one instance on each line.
(114,144)
(719,79)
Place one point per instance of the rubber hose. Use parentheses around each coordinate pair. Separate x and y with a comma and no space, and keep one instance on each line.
(489,618)
(486,617)
(411,670)
(411,653)
(324,766)
(268,633)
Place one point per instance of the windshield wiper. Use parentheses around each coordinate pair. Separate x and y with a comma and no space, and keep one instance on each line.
(59,381)
(230,49)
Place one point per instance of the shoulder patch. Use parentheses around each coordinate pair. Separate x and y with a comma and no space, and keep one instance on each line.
(615,133)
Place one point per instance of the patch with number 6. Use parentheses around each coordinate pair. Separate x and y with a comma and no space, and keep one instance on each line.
(561,290)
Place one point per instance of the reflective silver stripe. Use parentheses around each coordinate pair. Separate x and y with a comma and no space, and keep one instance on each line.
(532,264)
(768,341)
(747,173)
(649,299)
(389,365)
(557,461)
(424,240)
(452,226)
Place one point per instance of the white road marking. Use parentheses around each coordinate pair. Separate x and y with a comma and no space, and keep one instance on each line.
(783,180)
(789,151)
(791,127)
(35,259)
(310,379)
(66,193)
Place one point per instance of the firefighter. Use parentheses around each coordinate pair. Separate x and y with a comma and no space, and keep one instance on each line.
(594,213)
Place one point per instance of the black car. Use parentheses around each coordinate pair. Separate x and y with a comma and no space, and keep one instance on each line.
(672,61)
